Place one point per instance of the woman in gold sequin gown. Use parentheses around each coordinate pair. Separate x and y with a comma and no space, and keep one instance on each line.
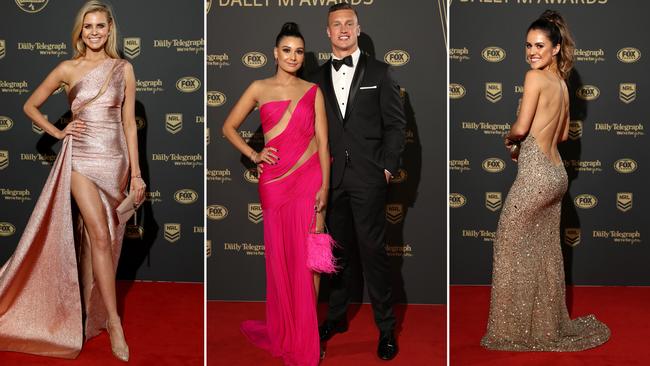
(527,309)
(43,297)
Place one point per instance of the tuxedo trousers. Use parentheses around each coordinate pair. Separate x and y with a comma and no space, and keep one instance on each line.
(357,221)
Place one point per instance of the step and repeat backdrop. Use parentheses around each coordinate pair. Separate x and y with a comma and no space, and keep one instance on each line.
(163,40)
(603,231)
(410,35)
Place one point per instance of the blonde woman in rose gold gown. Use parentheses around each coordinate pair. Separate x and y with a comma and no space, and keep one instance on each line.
(42,302)
(527,309)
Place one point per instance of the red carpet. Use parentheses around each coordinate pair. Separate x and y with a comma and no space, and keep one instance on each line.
(163,324)
(625,310)
(422,337)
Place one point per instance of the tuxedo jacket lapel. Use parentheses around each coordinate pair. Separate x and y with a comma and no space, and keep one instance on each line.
(328,89)
(356,83)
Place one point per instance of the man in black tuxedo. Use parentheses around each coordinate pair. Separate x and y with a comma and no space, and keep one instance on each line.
(366,135)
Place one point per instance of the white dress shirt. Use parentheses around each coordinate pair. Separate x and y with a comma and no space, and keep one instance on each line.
(342,79)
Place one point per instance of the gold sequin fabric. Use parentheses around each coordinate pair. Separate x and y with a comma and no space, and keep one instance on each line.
(527,309)
(47,287)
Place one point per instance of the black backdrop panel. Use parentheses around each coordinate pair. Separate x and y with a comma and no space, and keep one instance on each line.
(240,50)
(164,42)
(603,230)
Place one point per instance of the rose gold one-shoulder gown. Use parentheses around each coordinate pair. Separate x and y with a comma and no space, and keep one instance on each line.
(48,299)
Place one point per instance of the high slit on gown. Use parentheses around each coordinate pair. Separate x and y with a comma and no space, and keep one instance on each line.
(49,302)
(290,330)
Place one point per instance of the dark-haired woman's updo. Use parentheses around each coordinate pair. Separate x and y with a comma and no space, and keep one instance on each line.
(556,29)
(289,29)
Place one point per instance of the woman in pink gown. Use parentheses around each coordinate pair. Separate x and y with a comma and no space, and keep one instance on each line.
(294,181)
(43,310)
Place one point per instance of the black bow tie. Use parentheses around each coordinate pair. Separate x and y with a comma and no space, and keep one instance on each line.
(347,60)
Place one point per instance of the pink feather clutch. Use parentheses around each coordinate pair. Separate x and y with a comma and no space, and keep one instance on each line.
(320,256)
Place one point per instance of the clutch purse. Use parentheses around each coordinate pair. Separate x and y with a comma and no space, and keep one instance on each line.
(320,257)
(127,208)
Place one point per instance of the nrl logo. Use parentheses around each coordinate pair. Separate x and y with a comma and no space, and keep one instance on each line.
(624,201)
(493,201)
(173,122)
(394,213)
(208,248)
(493,92)
(255,213)
(572,236)
(132,47)
(627,92)
(172,232)
(575,130)
(3,48)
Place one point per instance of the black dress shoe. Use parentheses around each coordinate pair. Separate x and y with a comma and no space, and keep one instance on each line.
(387,348)
(327,330)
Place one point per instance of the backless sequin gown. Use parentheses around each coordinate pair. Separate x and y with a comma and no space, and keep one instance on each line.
(47,288)
(527,309)
(288,197)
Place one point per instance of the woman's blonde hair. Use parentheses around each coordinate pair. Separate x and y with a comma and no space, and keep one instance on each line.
(78,44)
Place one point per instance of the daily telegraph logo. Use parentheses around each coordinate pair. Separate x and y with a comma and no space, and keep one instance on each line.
(456,91)
(575,130)
(255,214)
(254,59)
(493,201)
(397,57)
(4,159)
(7,229)
(459,54)
(588,92)
(132,47)
(6,123)
(625,165)
(628,55)
(172,232)
(624,201)
(493,92)
(173,122)
(493,165)
(586,201)
(3,48)
(493,54)
(188,84)
(215,98)
(216,212)
(627,92)
(457,200)
(394,213)
(186,196)
(572,236)
(31,6)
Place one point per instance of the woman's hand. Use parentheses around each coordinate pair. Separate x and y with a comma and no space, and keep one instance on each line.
(138,186)
(74,128)
(321,199)
(267,155)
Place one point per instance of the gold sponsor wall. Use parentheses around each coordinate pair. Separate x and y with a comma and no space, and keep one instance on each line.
(603,231)
(406,34)
(167,56)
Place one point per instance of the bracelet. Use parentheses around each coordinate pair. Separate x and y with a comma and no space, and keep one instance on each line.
(136,176)
(252,157)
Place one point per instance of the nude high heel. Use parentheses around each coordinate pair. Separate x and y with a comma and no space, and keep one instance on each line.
(120,352)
